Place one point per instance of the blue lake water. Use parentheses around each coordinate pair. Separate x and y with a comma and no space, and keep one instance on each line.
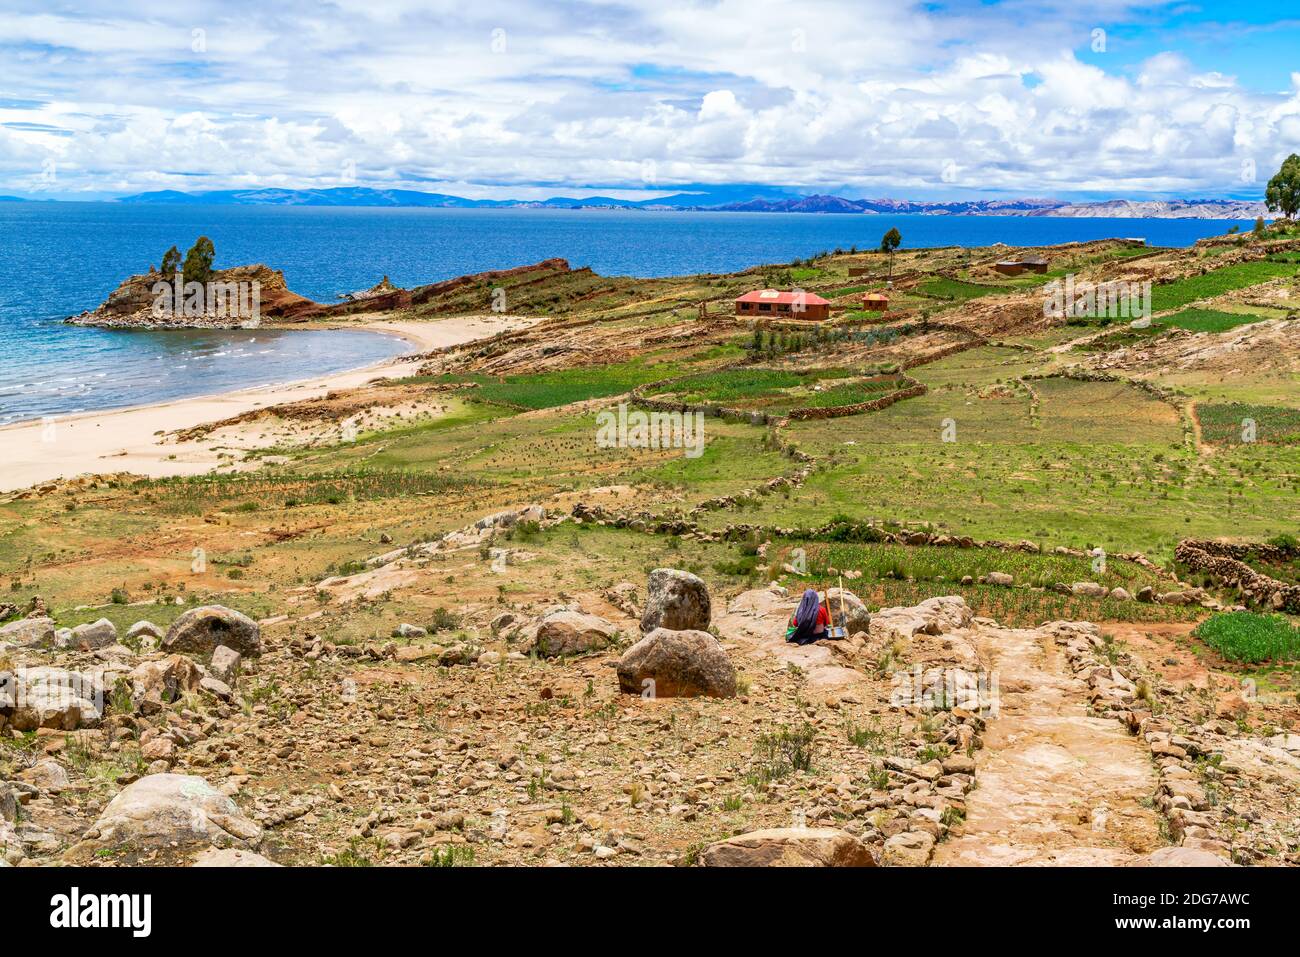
(58,259)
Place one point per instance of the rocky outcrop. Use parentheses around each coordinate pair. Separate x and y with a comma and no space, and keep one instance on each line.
(934,616)
(789,847)
(676,600)
(201,631)
(677,664)
(131,304)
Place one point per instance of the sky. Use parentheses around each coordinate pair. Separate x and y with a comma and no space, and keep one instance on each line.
(521,99)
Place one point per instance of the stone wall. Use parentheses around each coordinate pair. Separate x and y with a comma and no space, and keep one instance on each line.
(1216,559)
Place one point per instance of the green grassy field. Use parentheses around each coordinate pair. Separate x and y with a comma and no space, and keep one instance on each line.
(1208,320)
(944,288)
(1216,282)
(778,389)
(1251,638)
(1101,464)
(1228,423)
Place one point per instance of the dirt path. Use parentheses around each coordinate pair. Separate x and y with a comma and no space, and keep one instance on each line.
(1055,785)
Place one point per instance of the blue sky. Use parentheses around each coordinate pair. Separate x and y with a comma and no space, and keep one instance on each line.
(633,97)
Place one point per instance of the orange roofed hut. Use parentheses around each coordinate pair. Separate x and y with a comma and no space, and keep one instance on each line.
(875,302)
(777,304)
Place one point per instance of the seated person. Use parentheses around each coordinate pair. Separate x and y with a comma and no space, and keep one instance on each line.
(810,620)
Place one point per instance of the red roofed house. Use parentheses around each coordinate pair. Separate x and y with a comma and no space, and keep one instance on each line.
(775,304)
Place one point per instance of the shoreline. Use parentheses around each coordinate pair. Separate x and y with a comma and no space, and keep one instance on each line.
(134,438)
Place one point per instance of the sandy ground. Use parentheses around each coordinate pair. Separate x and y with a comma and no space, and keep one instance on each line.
(133,440)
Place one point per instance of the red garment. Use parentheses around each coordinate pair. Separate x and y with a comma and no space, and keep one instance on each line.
(823,619)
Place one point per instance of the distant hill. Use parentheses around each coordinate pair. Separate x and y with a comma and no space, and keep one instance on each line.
(12,199)
(725,199)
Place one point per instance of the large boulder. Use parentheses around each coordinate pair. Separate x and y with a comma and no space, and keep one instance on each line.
(789,847)
(681,664)
(848,609)
(96,634)
(201,631)
(676,600)
(28,633)
(51,698)
(173,810)
(566,632)
(157,683)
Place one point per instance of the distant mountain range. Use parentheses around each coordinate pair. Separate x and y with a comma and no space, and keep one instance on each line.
(739,198)
(706,197)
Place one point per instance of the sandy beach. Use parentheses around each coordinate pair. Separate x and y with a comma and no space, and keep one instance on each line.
(135,439)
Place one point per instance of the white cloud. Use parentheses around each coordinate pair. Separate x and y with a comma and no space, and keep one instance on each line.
(824,94)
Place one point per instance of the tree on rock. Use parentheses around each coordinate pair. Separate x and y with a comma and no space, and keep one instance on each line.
(1283,192)
(171,261)
(198,261)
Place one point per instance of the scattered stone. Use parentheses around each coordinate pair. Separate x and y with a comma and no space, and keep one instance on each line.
(216,688)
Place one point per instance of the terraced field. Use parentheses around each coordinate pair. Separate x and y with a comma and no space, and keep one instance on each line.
(777,390)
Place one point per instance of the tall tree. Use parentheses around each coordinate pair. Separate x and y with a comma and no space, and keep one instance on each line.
(198,261)
(888,243)
(1283,192)
(171,262)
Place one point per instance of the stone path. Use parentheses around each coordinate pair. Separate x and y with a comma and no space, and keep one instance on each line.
(1056,786)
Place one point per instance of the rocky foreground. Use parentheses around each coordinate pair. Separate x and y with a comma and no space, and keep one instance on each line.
(643,725)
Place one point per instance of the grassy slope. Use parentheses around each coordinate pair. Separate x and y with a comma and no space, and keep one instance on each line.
(1091,464)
